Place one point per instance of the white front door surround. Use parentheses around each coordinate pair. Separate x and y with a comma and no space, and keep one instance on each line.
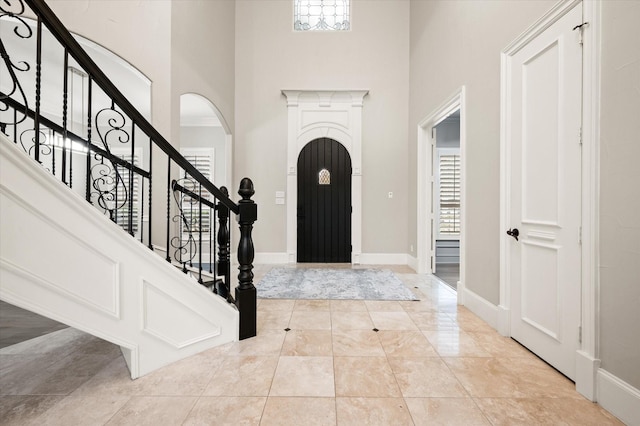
(335,114)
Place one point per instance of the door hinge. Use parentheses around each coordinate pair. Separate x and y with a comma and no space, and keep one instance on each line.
(580,236)
(580,136)
(580,29)
(579,334)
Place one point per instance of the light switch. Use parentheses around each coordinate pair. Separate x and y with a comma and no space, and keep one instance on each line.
(279,194)
(390,194)
(279,200)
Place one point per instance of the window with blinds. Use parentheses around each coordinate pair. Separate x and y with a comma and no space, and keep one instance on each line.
(449,193)
(123,197)
(202,160)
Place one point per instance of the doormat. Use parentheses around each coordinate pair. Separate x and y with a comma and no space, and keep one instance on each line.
(332,284)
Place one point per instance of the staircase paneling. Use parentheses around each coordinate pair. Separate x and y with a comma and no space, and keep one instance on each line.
(63,259)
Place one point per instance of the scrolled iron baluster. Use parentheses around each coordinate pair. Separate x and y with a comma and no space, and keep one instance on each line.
(106,179)
(186,250)
(29,137)
(6,5)
(13,10)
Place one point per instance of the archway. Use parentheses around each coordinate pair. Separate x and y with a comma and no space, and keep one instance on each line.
(205,133)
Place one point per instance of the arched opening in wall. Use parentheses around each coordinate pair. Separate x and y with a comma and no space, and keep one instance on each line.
(127,78)
(324,202)
(205,139)
(71,100)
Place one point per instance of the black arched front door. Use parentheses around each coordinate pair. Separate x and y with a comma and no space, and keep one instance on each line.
(324,202)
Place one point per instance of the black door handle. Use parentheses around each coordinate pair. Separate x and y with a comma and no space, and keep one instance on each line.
(514,233)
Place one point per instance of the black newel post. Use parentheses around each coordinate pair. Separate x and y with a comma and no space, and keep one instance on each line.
(222,267)
(246,291)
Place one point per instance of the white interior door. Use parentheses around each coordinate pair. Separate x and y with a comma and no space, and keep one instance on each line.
(544,174)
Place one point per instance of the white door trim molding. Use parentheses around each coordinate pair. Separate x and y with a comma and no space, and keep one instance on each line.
(585,377)
(425,163)
(590,198)
(335,114)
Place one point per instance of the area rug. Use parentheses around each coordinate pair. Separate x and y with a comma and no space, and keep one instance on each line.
(332,284)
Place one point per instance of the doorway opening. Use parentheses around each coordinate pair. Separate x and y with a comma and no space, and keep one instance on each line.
(205,135)
(446,200)
(441,196)
(205,141)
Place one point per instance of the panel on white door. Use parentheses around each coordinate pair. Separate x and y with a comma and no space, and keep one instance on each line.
(545,198)
(540,292)
(540,136)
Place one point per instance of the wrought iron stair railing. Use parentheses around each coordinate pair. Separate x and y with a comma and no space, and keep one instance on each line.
(117,160)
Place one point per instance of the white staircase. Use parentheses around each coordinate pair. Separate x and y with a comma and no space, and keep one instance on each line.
(63,259)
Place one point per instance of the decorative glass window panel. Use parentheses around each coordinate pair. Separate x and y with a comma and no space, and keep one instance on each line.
(321,15)
(324,177)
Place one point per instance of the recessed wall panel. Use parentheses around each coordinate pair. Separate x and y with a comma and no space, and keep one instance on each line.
(59,260)
(171,321)
(340,118)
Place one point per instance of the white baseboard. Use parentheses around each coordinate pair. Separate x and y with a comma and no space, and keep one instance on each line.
(364,259)
(271,258)
(383,259)
(412,262)
(461,290)
(586,372)
(481,307)
(504,321)
(618,397)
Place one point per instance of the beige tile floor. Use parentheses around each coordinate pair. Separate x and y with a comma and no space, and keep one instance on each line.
(430,362)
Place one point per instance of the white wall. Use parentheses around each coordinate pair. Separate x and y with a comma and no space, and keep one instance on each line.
(456,43)
(620,191)
(374,55)
(202,53)
(139,32)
